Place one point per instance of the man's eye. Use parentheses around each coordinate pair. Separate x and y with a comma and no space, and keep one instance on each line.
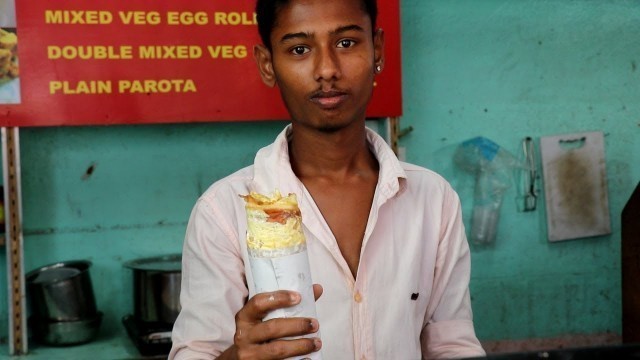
(299,50)
(346,43)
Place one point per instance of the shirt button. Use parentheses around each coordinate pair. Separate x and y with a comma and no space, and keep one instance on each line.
(357,297)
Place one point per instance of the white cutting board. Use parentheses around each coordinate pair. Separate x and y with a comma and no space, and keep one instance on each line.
(575,185)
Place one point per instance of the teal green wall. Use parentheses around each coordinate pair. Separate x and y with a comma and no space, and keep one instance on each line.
(510,69)
(502,69)
(135,203)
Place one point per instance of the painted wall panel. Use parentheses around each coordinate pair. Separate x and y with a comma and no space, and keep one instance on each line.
(510,69)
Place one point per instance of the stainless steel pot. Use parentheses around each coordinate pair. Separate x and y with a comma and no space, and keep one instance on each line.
(156,288)
(62,292)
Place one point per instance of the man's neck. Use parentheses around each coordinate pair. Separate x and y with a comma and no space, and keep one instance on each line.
(335,156)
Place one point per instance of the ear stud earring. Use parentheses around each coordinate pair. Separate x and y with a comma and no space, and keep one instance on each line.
(378,68)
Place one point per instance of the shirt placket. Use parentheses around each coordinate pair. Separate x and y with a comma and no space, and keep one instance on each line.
(362,325)
(362,332)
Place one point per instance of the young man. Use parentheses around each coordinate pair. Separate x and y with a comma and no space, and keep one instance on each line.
(385,239)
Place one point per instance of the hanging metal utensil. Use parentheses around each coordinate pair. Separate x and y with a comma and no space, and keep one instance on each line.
(530,197)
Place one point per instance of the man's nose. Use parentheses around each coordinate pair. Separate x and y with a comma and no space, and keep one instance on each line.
(327,65)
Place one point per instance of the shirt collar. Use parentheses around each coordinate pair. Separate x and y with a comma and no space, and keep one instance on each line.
(273,169)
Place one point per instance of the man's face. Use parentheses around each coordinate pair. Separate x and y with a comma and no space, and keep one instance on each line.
(323,58)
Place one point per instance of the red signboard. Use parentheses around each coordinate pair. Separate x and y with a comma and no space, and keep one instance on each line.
(81,62)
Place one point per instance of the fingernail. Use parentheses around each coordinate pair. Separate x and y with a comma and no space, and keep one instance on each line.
(317,343)
(313,325)
(295,297)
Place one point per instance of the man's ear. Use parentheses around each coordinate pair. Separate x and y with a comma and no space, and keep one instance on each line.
(378,50)
(262,55)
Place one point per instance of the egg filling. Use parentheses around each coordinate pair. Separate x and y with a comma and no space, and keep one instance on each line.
(274,225)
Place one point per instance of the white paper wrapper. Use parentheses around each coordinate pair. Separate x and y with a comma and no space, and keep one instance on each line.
(281,265)
(289,272)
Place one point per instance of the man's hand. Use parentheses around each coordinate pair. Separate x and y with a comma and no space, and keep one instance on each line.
(255,339)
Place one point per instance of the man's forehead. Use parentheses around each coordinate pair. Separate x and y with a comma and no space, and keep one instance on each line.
(319,16)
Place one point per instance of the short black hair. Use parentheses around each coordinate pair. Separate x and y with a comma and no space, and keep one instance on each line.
(267,11)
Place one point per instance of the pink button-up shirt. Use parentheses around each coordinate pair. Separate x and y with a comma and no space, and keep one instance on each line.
(409,300)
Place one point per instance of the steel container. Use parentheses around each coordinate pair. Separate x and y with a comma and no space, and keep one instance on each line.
(62,292)
(156,288)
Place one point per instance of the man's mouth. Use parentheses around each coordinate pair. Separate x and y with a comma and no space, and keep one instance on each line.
(328,100)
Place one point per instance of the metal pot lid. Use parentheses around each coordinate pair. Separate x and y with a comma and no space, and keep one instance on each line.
(57,272)
(165,263)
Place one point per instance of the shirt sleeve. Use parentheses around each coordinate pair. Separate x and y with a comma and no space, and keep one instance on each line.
(213,288)
(449,331)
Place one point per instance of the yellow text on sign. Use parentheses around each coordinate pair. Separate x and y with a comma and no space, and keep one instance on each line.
(187,18)
(235,18)
(140,17)
(78,17)
(148,86)
(80,87)
(156,86)
(170,52)
(227,51)
(95,52)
